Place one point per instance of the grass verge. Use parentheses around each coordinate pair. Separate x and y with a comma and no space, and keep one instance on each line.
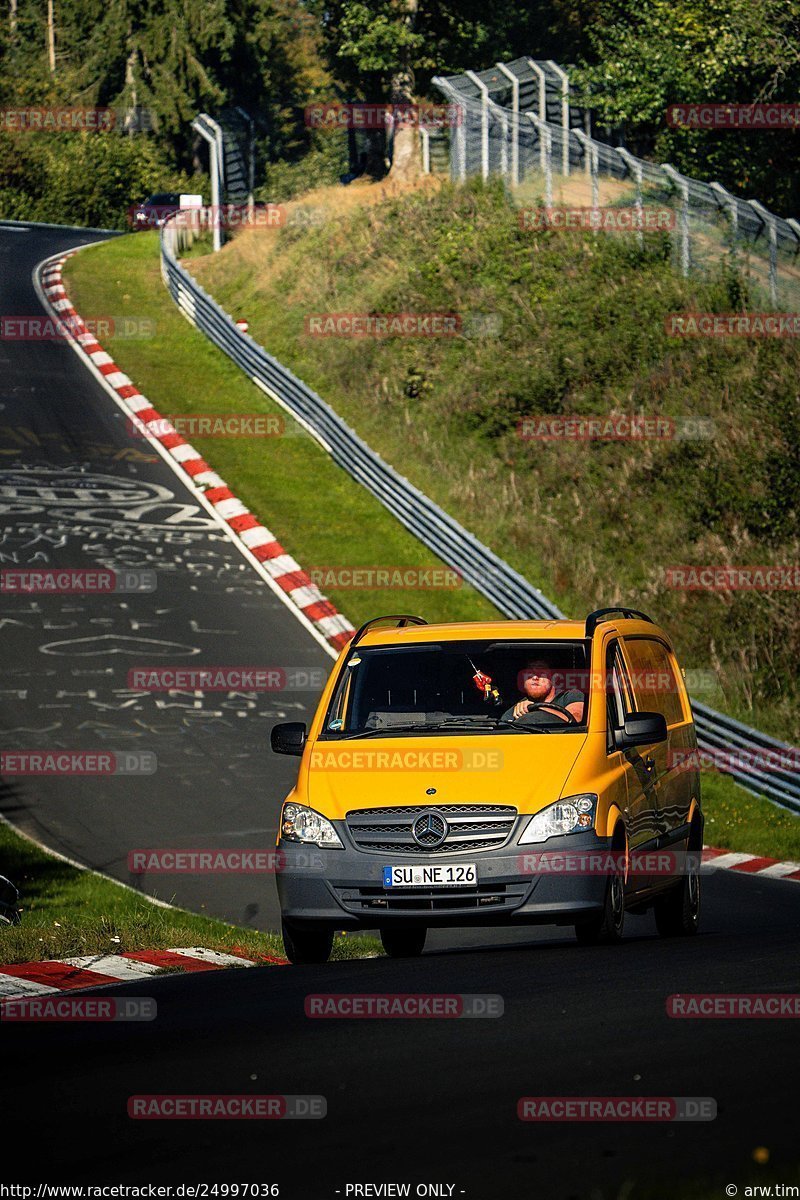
(313,507)
(67,911)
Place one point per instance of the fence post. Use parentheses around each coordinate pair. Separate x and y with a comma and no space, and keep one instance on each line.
(426,150)
(514,121)
(767,218)
(725,200)
(592,157)
(546,140)
(501,114)
(682,186)
(635,168)
(564,77)
(458,139)
(542,78)
(540,75)
(210,132)
(484,121)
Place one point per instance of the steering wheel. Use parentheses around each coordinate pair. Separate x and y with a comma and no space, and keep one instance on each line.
(543,707)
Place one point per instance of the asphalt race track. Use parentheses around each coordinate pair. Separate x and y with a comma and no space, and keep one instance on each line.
(76,490)
(435,1100)
(409,1101)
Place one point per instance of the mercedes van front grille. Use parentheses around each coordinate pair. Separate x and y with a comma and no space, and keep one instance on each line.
(451,829)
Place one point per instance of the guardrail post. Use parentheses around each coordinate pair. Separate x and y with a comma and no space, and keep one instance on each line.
(484,121)
(683,188)
(514,121)
(767,218)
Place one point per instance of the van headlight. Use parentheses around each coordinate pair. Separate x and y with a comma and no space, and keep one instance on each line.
(301,824)
(573,814)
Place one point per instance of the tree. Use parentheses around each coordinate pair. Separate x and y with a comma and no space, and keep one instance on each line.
(648,54)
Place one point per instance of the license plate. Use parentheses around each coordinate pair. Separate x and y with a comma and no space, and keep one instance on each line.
(440,875)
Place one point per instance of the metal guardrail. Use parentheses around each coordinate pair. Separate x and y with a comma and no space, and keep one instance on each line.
(509,591)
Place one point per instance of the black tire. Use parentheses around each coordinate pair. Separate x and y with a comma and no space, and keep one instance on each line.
(678,912)
(306,946)
(403,943)
(608,926)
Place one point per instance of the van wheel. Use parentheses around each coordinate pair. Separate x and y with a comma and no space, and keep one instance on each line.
(609,925)
(678,912)
(403,943)
(304,946)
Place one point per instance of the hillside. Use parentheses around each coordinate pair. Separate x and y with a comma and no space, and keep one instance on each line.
(576,327)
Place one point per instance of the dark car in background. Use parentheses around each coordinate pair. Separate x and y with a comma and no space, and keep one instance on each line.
(156,209)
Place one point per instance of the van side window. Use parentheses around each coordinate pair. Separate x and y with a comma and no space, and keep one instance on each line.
(619,700)
(655,680)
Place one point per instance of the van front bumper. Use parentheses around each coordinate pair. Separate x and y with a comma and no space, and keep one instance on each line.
(344,888)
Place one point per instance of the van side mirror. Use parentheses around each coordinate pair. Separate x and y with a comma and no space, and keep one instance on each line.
(641,729)
(288,738)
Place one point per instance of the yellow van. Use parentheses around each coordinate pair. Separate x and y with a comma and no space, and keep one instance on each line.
(492,773)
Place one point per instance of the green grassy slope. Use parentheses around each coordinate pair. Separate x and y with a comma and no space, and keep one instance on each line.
(581,331)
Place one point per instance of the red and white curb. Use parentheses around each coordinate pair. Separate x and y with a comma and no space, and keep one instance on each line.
(287,574)
(89,971)
(750,864)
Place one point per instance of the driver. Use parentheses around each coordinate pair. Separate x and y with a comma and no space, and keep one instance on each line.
(541,692)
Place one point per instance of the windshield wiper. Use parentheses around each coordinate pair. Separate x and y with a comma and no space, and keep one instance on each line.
(438,726)
(435,726)
(365,733)
(523,728)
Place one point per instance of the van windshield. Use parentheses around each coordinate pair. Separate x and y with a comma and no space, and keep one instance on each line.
(466,687)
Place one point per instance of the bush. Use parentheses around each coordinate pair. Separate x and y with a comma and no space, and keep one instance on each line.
(83,178)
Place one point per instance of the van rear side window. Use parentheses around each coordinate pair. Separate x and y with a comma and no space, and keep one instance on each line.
(654,680)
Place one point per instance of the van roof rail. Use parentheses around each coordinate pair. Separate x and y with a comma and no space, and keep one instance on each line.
(402,620)
(602,614)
